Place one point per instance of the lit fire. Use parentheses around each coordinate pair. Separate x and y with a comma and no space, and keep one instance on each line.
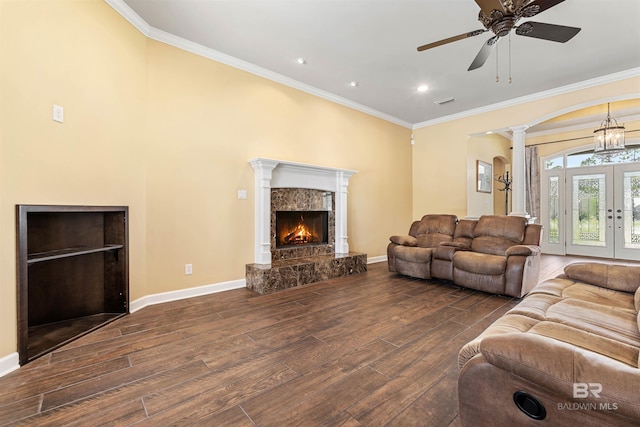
(299,236)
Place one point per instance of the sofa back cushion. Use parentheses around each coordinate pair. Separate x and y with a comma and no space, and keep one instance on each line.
(464,231)
(435,229)
(494,234)
(612,276)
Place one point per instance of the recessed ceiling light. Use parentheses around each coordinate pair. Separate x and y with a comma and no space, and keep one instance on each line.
(353,83)
(489,132)
(423,88)
(301,61)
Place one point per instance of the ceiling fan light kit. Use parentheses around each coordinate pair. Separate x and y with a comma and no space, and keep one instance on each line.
(501,16)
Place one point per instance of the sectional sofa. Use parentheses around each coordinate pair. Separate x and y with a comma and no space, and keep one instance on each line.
(567,355)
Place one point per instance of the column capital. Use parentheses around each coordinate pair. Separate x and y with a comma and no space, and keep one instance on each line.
(519,128)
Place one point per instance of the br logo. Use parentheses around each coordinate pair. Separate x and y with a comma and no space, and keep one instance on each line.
(582,390)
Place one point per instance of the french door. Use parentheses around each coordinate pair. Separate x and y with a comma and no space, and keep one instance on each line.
(601,211)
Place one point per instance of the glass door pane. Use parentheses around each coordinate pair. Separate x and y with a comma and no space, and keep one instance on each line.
(591,217)
(627,212)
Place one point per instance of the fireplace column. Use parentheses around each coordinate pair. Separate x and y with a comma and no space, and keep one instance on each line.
(262,226)
(342,184)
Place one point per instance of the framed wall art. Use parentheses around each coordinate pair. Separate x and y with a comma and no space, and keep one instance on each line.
(483,176)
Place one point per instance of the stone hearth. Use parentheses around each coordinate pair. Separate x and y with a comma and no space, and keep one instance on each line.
(289,273)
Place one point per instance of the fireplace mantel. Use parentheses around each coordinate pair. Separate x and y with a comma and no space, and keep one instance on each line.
(270,173)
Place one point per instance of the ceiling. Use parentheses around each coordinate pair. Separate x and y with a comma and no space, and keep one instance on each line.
(373,43)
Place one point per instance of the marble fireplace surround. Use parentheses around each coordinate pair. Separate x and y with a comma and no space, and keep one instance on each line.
(270,173)
(297,186)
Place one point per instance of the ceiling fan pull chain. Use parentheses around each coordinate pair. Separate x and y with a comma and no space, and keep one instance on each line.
(497,73)
(509,57)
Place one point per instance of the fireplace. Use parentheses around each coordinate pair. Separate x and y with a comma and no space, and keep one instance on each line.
(295,228)
(300,226)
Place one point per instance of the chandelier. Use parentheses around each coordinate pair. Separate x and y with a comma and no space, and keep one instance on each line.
(609,138)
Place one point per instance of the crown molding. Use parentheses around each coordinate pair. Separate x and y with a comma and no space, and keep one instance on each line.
(151,32)
(634,72)
(162,36)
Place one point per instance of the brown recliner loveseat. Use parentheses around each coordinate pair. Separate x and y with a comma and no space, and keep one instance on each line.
(496,253)
(568,354)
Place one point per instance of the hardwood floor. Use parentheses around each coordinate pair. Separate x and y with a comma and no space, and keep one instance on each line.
(373,349)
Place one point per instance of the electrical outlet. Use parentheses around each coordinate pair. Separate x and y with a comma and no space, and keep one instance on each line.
(188,268)
(58,113)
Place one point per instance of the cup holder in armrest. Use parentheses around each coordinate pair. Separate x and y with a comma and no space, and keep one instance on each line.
(529,405)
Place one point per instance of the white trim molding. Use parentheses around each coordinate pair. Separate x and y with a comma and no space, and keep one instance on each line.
(634,72)
(376,259)
(185,293)
(271,173)
(9,363)
(162,36)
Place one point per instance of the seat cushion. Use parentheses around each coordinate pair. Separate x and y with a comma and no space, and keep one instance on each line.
(479,263)
(598,319)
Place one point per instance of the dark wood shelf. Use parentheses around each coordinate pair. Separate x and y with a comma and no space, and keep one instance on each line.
(69,252)
(73,273)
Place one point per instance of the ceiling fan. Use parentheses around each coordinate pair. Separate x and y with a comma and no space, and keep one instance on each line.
(501,16)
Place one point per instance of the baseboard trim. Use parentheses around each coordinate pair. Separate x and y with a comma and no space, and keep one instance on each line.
(185,293)
(9,363)
(375,259)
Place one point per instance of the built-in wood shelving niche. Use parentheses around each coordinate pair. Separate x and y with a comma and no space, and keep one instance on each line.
(73,273)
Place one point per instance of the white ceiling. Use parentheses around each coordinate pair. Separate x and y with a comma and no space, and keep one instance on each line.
(374,43)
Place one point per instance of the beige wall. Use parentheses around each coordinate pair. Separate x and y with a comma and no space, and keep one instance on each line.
(169,134)
(207,120)
(441,152)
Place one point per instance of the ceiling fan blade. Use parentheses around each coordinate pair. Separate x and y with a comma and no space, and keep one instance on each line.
(450,39)
(543,5)
(484,53)
(540,30)
(488,5)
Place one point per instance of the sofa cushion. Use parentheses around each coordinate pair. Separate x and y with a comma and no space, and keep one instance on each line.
(464,231)
(495,233)
(413,254)
(404,240)
(619,325)
(432,240)
(479,263)
(437,224)
(535,306)
(618,277)
(636,300)
(617,350)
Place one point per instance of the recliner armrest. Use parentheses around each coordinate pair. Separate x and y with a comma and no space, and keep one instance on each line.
(404,240)
(557,366)
(522,250)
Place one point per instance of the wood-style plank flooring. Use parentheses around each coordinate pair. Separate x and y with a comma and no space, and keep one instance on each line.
(373,349)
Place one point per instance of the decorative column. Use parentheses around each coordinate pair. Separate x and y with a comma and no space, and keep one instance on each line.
(263,169)
(518,171)
(342,184)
